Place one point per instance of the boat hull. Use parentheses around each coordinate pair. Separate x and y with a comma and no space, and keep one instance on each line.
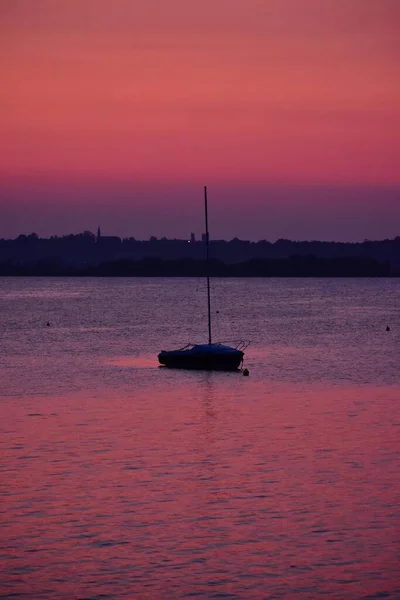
(206,360)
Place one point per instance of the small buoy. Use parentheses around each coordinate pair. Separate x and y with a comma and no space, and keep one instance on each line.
(48,323)
(245,372)
(388,328)
(217,312)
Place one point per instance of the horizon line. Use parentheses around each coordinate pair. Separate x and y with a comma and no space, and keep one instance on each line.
(153,239)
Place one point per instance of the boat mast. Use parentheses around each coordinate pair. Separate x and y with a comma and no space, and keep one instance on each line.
(207,266)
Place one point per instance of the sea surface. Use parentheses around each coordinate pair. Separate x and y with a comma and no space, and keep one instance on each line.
(121,479)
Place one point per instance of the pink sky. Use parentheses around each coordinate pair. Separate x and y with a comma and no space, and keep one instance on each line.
(120,111)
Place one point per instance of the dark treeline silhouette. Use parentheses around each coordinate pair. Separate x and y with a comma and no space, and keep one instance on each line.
(296,266)
(88,254)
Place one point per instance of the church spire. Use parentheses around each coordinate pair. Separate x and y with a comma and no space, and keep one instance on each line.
(98,234)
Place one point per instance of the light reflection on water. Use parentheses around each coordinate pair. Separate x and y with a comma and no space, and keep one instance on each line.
(125,480)
(138,362)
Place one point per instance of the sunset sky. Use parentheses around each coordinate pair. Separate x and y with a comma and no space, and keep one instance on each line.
(117,112)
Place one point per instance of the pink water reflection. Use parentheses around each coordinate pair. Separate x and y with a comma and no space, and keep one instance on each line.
(269,492)
(138,362)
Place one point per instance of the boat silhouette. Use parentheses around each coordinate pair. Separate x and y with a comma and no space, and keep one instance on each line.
(213,356)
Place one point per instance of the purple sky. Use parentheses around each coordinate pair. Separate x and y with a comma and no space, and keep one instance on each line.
(116,113)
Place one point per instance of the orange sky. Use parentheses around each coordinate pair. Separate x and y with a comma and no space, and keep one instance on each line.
(247,93)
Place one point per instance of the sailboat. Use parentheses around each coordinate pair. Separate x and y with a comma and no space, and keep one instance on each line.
(211,356)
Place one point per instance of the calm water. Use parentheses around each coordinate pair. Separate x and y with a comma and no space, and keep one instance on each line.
(124,480)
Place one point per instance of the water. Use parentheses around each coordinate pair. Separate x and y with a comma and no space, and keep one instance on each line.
(124,480)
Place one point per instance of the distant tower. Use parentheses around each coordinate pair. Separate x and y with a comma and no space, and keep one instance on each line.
(192,238)
(98,234)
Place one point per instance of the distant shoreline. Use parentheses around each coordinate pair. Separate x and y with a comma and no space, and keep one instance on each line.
(295,266)
(87,255)
(85,276)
